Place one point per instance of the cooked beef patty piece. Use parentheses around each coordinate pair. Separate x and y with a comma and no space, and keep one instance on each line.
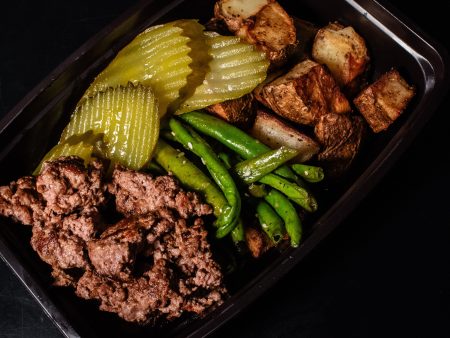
(138,194)
(341,137)
(183,276)
(57,247)
(85,224)
(66,185)
(114,254)
(138,300)
(21,201)
(188,247)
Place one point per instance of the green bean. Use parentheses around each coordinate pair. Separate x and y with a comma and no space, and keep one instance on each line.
(287,212)
(225,159)
(155,168)
(232,137)
(270,222)
(310,173)
(296,193)
(167,135)
(257,190)
(193,142)
(238,234)
(189,175)
(253,169)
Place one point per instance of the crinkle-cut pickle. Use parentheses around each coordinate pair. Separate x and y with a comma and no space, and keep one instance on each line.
(236,69)
(160,57)
(187,68)
(128,119)
(81,146)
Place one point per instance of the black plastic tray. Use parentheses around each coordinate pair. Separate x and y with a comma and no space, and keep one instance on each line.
(34,124)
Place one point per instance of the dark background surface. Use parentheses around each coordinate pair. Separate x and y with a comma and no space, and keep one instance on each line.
(385,272)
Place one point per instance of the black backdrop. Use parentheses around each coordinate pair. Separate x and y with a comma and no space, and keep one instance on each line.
(385,272)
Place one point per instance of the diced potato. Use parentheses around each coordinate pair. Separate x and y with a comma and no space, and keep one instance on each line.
(239,111)
(341,136)
(273,132)
(382,102)
(304,94)
(263,23)
(343,51)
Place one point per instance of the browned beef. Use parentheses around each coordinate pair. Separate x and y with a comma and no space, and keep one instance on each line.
(188,247)
(154,262)
(138,194)
(114,254)
(67,186)
(57,247)
(184,276)
(84,224)
(20,201)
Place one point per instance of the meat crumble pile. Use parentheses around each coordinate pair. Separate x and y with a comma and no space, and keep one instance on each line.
(155,262)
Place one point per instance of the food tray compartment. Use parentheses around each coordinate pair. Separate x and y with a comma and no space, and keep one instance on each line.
(30,129)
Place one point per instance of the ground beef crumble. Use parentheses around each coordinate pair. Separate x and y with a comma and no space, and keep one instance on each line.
(155,262)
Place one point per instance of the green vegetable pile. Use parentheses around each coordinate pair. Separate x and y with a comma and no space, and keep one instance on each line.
(176,68)
(274,205)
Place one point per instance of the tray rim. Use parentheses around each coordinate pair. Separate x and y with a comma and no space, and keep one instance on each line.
(361,186)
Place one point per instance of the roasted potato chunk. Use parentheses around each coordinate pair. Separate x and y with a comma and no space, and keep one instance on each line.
(382,102)
(304,94)
(239,111)
(263,23)
(340,136)
(343,51)
(275,133)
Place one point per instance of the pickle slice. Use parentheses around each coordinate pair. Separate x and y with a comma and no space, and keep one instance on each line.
(79,145)
(128,119)
(236,69)
(161,57)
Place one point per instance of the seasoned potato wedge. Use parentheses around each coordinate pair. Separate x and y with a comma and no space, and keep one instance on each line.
(343,51)
(304,94)
(275,133)
(382,102)
(263,23)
